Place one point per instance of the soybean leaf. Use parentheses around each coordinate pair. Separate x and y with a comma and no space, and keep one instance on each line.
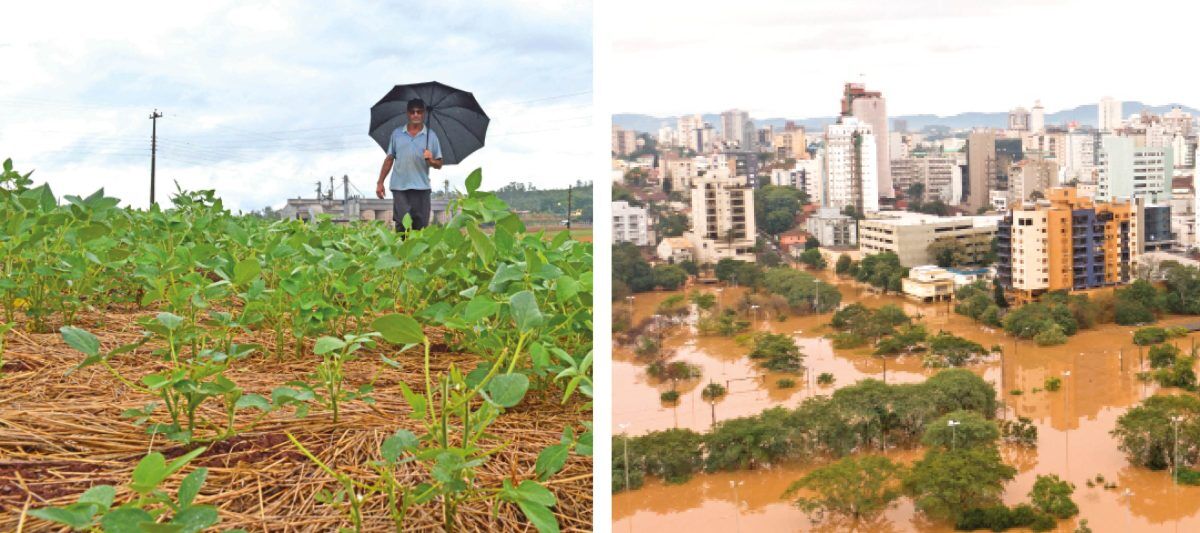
(125,520)
(169,321)
(78,520)
(399,329)
(246,270)
(483,246)
(401,441)
(153,527)
(416,401)
(534,492)
(148,473)
(101,495)
(328,344)
(550,461)
(480,307)
(507,390)
(81,340)
(525,310)
(256,401)
(196,518)
(190,486)
(542,518)
(474,179)
(566,289)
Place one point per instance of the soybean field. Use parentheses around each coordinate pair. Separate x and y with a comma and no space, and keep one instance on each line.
(184,368)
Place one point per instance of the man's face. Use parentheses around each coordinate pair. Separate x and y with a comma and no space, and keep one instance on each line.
(416,116)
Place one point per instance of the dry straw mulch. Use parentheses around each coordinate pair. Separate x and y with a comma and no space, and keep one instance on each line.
(61,434)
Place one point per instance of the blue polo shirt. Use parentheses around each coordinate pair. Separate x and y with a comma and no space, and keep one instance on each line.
(409,170)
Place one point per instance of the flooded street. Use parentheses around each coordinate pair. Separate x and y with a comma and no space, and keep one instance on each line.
(1097,368)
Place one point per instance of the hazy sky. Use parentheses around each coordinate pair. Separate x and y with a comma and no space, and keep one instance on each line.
(262,99)
(790,59)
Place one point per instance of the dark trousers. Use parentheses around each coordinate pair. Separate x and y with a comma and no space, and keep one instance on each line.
(413,202)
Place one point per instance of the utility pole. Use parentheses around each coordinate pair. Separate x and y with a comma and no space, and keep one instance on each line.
(569,189)
(154,116)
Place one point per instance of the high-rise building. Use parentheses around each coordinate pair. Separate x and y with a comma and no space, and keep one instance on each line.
(1177,121)
(737,128)
(624,142)
(981,169)
(941,177)
(689,133)
(790,144)
(1018,119)
(1030,176)
(1037,119)
(870,107)
(722,219)
(851,175)
(908,235)
(630,224)
(666,137)
(1067,243)
(1110,114)
(1127,171)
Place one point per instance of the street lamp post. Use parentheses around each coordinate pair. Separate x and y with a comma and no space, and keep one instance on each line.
(737,510)
(953,434)
(1175,420)
(625,441)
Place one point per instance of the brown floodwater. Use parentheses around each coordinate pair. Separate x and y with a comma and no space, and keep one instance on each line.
(1073,422)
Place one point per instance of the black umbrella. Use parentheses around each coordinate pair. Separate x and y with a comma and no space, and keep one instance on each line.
(454,115)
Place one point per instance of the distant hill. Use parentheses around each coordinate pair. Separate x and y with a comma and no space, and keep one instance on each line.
(1084,115)
(522,197)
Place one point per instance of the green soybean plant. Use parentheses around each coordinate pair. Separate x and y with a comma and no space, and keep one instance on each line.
(329,389)
(151,506)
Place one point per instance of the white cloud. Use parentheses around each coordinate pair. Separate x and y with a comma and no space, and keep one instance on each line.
(790,59)
(261,99)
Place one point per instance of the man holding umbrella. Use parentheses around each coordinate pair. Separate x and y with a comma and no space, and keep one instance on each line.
(411,151)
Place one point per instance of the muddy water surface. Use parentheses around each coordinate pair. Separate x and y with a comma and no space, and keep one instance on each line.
(1097,368)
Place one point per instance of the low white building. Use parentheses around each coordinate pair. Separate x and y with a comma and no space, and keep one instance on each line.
(630,224)
(676,250)
(928,283)
(832,228)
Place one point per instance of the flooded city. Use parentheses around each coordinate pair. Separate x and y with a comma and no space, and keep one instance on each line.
(1097,368)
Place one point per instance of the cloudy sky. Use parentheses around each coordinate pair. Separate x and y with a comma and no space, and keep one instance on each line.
(790,59)
(262,99)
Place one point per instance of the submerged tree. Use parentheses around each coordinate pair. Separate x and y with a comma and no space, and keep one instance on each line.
(855,488)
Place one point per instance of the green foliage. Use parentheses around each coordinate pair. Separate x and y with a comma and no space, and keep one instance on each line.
(944,484)
(631,269)
(949,253)
(1052,383)
(842,267)
(1052,495)
(813,259)
(725,324)
(713,392)
(669,277)
(804,293)
(851,487)
(672,224)
(882,270)
(1146,433)
(777,352)
(673,306)
(785,383)
(673,371)
(669,396)
(947,349)
(1162,355)
(673,455)
(150,503)
(739,272)
(974,301)
(1021,431)
(1149,335)
(775,208)
(1001,518)
(909,338)
(825,378)
(961,429)
(703,300)
(523,197)
(1053,321)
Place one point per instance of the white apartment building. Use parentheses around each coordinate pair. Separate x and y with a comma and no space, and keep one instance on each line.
(624,142)
(1079,161)
(1031,175)
(688,132)
(941,177)
(832,228)
(1129,171)
(737,128)
(630,224)
(666,137)
(722,219)
(1037,118)
(909,235)
(790,144)
(812,169)
(678,171)
(1110,115)
(851,175)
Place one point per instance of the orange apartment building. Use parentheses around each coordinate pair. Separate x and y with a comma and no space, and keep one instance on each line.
(1067,243)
